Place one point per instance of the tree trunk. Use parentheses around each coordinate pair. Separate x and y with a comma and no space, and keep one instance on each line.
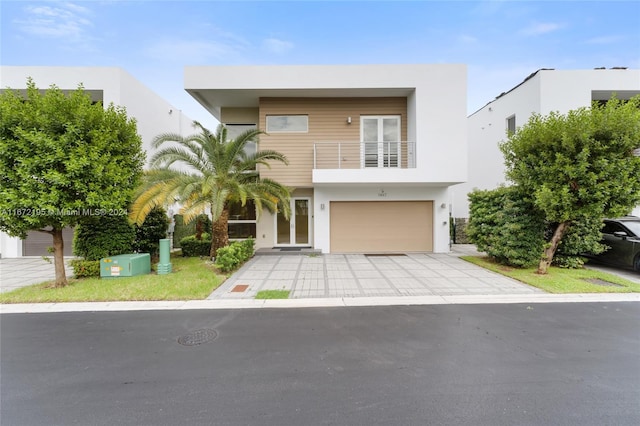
(550,251)
(220,232)
(58,257)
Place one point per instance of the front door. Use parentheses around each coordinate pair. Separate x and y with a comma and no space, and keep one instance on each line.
(295,231)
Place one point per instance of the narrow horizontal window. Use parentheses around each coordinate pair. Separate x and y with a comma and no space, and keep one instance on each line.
(287,123)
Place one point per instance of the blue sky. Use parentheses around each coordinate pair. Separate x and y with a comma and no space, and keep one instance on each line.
(500,41)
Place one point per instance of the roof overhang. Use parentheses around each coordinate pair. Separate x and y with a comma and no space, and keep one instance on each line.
(215,87)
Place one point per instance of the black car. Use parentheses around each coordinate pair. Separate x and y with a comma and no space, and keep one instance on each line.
(622,235)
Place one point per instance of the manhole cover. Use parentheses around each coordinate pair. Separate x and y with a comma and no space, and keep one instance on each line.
(239,288)
(198,337)
(598,281)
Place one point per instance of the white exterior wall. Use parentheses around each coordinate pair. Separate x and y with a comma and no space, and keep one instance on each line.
(326,194)
(436,105)
(547,91)
(118,87)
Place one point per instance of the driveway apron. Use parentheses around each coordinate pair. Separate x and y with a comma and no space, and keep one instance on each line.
(360,275)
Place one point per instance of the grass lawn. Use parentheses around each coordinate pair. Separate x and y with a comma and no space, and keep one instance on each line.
(191,279)
(273,294)
(559,280)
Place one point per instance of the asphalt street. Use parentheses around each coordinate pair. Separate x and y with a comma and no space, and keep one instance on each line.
(513,364)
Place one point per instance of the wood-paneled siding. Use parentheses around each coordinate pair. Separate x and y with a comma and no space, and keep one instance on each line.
(327,123)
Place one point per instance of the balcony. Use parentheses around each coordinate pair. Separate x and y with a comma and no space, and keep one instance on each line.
(364,155)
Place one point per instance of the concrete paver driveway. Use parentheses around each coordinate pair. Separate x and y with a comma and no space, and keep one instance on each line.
(25,271)
(359,275)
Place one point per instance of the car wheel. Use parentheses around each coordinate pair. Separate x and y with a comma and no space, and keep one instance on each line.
(636,263)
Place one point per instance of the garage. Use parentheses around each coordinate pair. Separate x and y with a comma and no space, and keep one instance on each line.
(37,242)
(381,226)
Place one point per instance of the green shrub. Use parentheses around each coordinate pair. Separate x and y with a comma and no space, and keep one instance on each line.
(182,230)
(191,247)
(103,236)
(232,256)
(85,268)
(505,224)
(148,234)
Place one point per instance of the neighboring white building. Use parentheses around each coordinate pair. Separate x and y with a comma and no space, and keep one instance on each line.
(153,114)
(373,150)
(542,92)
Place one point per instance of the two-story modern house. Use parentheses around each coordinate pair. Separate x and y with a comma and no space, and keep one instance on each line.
(372,150)
(542,92)
(154,115)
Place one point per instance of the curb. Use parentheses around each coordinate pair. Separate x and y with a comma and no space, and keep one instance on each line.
(217,304)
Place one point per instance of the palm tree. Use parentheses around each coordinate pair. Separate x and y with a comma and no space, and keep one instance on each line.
(218,172)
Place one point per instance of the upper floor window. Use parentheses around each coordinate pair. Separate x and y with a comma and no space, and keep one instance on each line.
(235,130)
(511,125)
(287,123)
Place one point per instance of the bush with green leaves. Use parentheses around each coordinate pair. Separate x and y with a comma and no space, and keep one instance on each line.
(201,223)
(582,236)
(235,254)
(153,229)
(192,247)
(506,226)
(85,268)
(98,237)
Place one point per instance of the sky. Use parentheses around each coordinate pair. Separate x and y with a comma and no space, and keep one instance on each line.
(500,41)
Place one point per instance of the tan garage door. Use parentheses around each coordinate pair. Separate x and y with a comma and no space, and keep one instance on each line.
(37,242)
(381,226)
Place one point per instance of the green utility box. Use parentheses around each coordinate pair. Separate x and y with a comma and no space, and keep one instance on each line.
(125,265)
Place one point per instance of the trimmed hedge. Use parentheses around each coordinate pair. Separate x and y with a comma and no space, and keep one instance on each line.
(191,247)
(232,256)
(506,225)
(85,268)
(152,230)
(103,236)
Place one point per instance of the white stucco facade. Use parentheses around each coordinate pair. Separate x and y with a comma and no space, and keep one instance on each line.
(542,92)
(436,121)
(153,114)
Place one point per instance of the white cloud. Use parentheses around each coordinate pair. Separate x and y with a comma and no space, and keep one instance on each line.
(540,28)
(277,46)
(60,20)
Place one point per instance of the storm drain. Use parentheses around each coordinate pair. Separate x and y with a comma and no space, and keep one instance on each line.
(198,337)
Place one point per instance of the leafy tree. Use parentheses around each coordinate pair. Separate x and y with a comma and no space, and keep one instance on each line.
(220,172)
(584,164)
(63,157)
